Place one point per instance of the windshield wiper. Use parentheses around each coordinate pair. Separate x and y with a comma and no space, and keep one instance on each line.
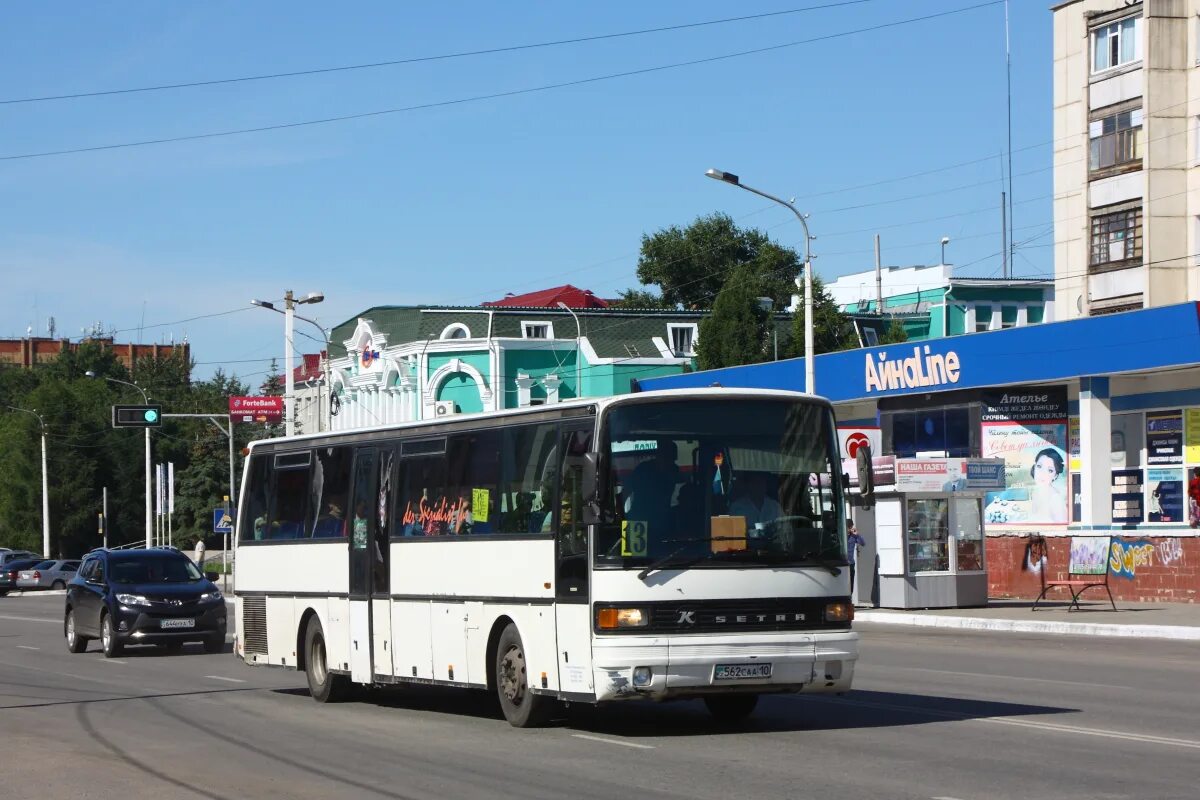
(669,559)
(833,567)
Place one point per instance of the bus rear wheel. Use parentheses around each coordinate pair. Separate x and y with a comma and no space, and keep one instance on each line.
(730,708)
(522,708)
(323,685)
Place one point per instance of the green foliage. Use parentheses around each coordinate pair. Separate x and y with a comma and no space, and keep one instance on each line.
(85,453)
(895,333)
(736,332)
(691,265)
(639,298)
(832,330)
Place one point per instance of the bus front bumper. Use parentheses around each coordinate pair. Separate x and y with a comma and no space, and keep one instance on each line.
(664,668)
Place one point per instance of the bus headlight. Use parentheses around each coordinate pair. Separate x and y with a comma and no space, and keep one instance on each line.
(612,618)
(839,612)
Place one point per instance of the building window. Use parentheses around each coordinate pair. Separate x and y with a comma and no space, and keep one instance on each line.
(1116,239)
(1116,44)
(456,330)
(683,340)
(1035,314)
(537,330)
(1115,140)
(1008,316)
(983,318)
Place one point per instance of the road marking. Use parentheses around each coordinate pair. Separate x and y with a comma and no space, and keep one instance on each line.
(223,678)
(1005,677)
(27,647)
(613,741)
(1146,738)
(114,661)
(30,619)
(943,798)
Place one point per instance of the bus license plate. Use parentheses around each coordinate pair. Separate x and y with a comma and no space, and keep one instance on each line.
(178,623)
(738,672)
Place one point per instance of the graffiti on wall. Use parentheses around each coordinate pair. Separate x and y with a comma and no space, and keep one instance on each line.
(1035,555)
(1125,557)
(1170,552)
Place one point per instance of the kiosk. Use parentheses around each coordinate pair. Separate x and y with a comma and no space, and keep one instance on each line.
(928,531)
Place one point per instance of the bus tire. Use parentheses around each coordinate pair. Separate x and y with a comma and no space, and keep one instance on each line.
(323,685)
(522,708)
(731,708)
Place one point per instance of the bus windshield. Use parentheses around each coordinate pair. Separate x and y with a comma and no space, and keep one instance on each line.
(721,482)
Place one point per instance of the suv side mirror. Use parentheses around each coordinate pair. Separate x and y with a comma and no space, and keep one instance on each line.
(213,576)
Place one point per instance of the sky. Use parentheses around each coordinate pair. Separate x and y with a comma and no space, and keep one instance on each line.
(898,130)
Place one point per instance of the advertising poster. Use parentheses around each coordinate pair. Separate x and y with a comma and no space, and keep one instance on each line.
(1027,428)
(1164,495)
(1191,434)
(1127,496)
(1074,449)
(1164,437)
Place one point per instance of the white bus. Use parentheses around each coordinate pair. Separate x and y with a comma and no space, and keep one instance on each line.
(678,544)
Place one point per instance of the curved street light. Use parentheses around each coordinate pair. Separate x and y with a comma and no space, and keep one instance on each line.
(149,507)
(289,312)
(45,482)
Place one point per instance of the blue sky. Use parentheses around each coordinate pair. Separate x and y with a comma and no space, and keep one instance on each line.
(463,203)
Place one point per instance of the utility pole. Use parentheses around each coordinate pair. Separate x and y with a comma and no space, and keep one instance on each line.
(289,395)
(45,481)
(104,518)
(878,279)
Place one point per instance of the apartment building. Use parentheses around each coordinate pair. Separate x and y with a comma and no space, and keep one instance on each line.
(1126,155)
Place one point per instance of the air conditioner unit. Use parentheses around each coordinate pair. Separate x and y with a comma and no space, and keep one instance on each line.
(444,408)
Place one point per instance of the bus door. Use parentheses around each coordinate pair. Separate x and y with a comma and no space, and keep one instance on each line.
(572,571)
(363,525)
(381,590)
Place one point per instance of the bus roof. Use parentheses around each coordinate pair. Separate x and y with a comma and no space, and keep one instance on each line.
(601,403)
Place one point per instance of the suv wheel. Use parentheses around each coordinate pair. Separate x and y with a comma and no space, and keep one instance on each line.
(108,637)
(75,642)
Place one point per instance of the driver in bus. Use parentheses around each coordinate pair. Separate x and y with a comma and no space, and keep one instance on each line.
(755,504)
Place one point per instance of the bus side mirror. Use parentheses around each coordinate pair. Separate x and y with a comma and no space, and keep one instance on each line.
(866,477)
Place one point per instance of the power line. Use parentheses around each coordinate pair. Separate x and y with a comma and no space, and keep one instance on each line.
(494,95)
(425,59)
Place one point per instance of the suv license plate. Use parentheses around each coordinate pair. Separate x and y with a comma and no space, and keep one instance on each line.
(178,623)
(737,672)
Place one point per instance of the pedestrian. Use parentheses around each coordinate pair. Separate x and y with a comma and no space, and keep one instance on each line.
(200,553)
(854,541)
(1194,498)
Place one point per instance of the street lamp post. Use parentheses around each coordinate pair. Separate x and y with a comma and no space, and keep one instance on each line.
(289,396)
(45,483)
(809,372)
(578,345)
(945,241)
(149,510)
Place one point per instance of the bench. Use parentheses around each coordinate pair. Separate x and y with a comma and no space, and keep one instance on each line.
(1088,568)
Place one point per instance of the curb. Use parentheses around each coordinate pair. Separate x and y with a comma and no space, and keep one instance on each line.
(1176,632)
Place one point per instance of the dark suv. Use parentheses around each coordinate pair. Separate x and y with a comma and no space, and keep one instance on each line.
(155,596)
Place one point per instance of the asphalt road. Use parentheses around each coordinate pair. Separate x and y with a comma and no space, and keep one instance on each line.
(935,714)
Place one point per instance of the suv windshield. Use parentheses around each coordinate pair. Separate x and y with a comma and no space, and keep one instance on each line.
(722,482)
(152,569)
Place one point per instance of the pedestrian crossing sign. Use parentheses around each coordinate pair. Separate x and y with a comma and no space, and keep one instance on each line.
(222,521)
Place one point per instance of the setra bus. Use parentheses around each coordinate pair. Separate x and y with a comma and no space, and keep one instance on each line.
(672,544)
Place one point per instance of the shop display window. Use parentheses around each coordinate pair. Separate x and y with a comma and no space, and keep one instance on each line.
(968,534)
(928,535)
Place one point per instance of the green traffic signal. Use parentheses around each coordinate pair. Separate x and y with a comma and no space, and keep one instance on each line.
(151,415)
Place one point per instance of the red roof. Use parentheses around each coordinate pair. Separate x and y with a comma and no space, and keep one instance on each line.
(309,369)
(569,295)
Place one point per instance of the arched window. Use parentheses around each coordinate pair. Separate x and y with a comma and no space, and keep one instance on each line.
(456,331)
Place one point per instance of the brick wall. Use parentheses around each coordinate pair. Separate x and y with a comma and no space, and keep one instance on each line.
(1152,568)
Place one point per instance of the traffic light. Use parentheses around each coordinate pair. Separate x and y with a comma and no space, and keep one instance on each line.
(137,416)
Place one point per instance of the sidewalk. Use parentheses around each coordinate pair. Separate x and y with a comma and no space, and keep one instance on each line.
(1137,620)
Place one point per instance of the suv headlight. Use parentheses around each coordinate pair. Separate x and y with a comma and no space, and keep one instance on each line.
(132,600)
(209,597)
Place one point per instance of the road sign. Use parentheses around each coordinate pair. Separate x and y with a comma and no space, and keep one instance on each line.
(222,521)
(137,416)
(256,409)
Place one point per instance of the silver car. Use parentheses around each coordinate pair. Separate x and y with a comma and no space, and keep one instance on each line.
(47,575)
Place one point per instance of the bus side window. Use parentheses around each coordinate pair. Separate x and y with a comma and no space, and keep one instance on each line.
(252,525)
(331,491)
(289,495)
(572,578)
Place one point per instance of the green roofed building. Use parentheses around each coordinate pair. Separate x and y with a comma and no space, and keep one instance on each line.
(394,364)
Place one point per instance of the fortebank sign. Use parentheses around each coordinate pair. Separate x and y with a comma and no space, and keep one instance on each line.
(921,369)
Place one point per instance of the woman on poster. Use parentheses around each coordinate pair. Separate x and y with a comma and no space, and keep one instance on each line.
(1194,498)
(1048,497)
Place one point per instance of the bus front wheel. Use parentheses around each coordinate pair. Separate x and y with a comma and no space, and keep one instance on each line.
(730,708)
(522,708)
(323,685)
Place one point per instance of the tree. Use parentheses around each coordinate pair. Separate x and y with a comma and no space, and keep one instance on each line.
(691,265)
(639,298)
(832,329)
(736,332)
(895,333)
